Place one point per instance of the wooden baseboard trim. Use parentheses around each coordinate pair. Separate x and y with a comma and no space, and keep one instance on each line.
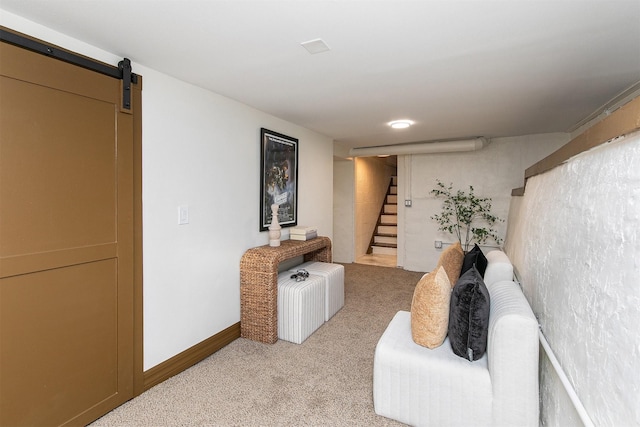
(190,356)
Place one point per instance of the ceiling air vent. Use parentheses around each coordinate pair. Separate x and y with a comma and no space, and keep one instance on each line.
(315,46)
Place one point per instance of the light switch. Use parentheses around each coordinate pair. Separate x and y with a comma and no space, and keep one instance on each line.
(183,214)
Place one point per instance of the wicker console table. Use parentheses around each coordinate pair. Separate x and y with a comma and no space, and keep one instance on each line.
(259,284)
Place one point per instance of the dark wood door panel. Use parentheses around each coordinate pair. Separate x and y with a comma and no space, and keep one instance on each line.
(22,64)
(68,145)
(61,320)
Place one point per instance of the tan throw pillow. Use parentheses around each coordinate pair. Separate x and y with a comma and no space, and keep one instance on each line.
(430,309)
(452,259)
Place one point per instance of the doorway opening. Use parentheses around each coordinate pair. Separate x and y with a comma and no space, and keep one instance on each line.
(376,219)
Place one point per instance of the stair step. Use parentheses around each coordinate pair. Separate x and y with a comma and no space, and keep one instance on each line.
(387,234)
(394,180)
(392,199)
(389,240)
(389,219)
(390,209)
(388,229)
(393,189)
(384,250)
(386,245)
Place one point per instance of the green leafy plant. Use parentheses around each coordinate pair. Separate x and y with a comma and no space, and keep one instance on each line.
(465,215)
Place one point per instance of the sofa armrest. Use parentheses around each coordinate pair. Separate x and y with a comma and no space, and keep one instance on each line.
(513,348)
(499,268)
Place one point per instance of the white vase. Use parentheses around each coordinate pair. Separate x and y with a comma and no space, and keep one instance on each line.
(274,228)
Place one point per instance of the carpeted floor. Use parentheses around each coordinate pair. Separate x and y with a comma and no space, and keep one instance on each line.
(325,381)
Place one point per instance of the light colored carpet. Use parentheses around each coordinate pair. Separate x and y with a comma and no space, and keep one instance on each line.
(325,381)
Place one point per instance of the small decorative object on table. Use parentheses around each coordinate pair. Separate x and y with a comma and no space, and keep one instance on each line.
(274,228)
(303,233)
(300,275)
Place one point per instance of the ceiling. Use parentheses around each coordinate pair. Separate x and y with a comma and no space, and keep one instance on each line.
(456,68)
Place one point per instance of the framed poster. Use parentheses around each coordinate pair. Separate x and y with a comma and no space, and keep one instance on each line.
(278,178)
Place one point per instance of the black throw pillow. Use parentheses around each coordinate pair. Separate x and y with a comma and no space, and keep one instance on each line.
(469,316)
(474,257)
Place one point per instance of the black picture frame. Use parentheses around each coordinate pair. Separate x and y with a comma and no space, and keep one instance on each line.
(278,178)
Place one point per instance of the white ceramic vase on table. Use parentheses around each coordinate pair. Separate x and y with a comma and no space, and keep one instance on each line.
(274,228)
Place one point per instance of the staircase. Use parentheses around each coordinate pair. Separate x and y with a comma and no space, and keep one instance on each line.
(385,235)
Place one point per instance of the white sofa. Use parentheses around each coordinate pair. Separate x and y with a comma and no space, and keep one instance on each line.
(434,387)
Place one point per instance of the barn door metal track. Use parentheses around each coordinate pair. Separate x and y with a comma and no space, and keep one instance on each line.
(121,72)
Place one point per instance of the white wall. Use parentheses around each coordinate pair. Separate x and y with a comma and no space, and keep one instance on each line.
(493,171)
(343,210)
(574,237)
(202,150)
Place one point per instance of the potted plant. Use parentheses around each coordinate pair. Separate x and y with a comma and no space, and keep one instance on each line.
(465,215)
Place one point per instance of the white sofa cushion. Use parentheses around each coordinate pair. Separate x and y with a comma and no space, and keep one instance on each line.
(428,387)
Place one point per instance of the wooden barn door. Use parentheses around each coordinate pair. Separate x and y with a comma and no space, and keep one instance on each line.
(66,242)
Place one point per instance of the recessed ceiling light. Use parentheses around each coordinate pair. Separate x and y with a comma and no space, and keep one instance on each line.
(400,124)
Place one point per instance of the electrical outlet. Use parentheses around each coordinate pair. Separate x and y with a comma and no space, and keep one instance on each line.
(438,244)
(407,203)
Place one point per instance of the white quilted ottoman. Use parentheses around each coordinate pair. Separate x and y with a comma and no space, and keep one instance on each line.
(333,275)
(300,307)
